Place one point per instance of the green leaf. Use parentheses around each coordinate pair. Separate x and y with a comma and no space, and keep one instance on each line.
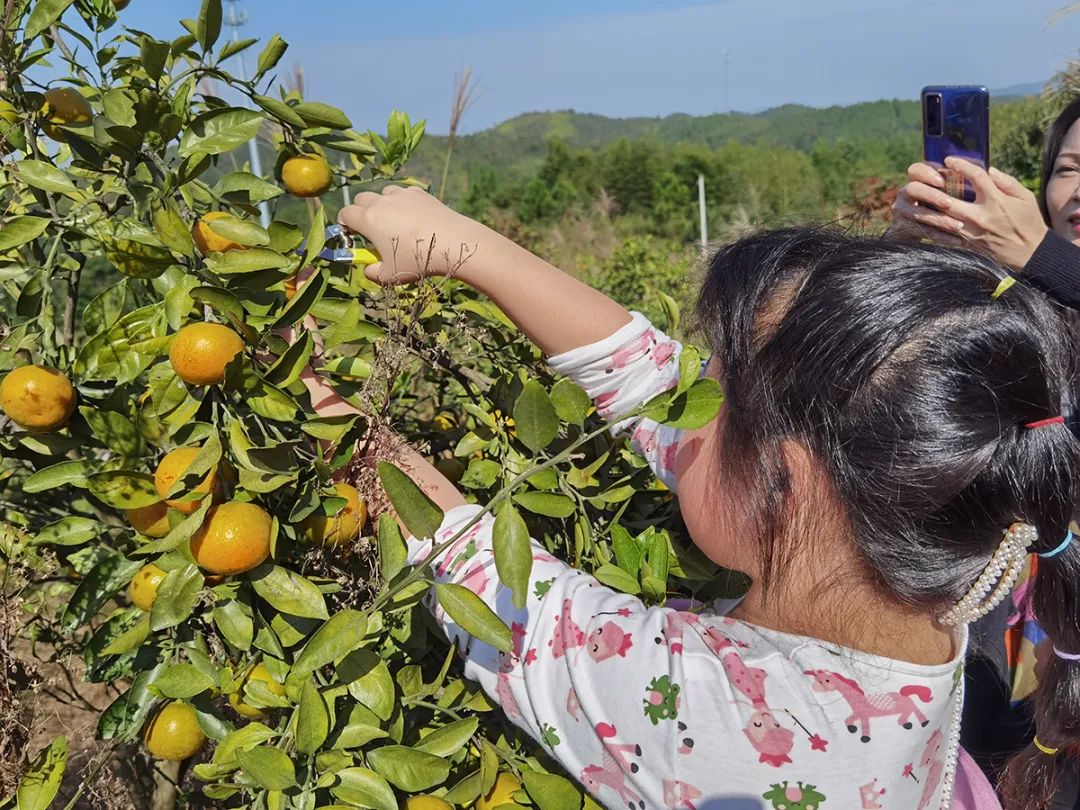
(41,782)
(550,504)
(181,681)
(114,430)
(551,792)
(312,720)
(289,592)
(242,739)
(69,531)
(342,634)
(301,303)
(172,230)
(125,716)
(697,406)
(233,619)
(176,598)
(322,115)
(628,551)
(209,26)
(45,13)
(689,368)
(570,401)
(123,489)
(513,552)
(481,473)
(131,639)
(246,188)
(271,55)
(39,174)
(97,587)
(220,131)
(207,458)
(392,551)
(448,740)
(180,533)
(288,368)
(363,788)
(270,768)
(473,616)
(534,415)
(241,231)
(615,577)
(369,681)
(415,509)
(270,402)
(279,109)
(409,769)
(20,230)
(66,473)
(671,311)
(234,47)
(220,299)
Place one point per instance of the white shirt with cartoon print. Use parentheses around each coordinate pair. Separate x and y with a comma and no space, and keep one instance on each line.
(653,707)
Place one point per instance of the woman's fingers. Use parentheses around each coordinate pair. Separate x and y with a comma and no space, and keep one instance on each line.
(974,174)
(924,194)
(925,173)
(1008,184)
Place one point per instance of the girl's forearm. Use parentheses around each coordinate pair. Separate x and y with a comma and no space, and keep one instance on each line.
(554,310)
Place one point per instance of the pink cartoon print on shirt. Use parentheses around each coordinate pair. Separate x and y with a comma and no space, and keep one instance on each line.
(931,760)
(864,707)
(646,343)
(651,446)
(680,796)
(567,634)
(601,643)
(870,796)
(615,763)
(772,741)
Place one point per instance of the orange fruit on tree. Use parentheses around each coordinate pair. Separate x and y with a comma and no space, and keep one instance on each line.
(307,175)
(340,528)
(152,520)
(142,590)
(120,5)
(501,792)
(173,733)
(37,398)
(64,106)
(427,803)
(234,538)
(172,467)
(208,240)
(257,673)
(200,351)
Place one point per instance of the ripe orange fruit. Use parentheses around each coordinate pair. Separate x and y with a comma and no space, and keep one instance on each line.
(174,733)
(501,792)
(64,106)
(235,538)
(306,175)
(291,286)
(152,520)
(342,527)
(200,352)
(208,240)
(256,673)
(37,398)
(142,590)
(171,468)
(427,803)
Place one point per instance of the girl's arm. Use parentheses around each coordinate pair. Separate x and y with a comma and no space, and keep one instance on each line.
(556,311)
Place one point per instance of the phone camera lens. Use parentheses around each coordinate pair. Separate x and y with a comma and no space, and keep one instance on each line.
(932,113)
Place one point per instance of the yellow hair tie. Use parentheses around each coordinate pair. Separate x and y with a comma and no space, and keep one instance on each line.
(1003,287)
(1043,748)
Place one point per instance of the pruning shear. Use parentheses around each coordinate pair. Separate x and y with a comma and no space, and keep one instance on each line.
(339,248)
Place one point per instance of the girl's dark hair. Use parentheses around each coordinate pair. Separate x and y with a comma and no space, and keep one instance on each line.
(1055,136)
(909,386)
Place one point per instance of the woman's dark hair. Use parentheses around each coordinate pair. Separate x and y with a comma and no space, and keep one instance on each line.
(1055,136)
(909,385)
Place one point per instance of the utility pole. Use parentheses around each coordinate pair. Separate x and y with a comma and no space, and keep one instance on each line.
(236,19)
(701,211)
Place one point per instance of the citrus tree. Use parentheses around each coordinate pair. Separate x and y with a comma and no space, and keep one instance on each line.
(176,513)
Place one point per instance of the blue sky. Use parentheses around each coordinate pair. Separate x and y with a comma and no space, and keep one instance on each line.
(643,57)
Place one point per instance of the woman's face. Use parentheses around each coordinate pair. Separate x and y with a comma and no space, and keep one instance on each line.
(1063,188)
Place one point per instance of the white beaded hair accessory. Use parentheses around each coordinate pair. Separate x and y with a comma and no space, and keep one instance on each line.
(997,579)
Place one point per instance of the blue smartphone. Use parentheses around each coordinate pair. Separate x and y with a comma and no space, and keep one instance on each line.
(956,121)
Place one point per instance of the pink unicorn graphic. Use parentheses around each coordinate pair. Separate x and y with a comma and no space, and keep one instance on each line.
(772,741)
(614,764)
(932,759)
(567,633)
(679,795)
(508,662)
(864,707)
(870,796)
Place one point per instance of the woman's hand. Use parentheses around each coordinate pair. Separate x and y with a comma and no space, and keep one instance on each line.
(1004,221)
(415,234)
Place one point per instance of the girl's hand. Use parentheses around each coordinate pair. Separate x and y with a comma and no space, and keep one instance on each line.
(1004,221)
(415,234)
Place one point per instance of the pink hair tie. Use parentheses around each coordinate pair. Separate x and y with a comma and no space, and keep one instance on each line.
(1053,420)
(1066,656)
